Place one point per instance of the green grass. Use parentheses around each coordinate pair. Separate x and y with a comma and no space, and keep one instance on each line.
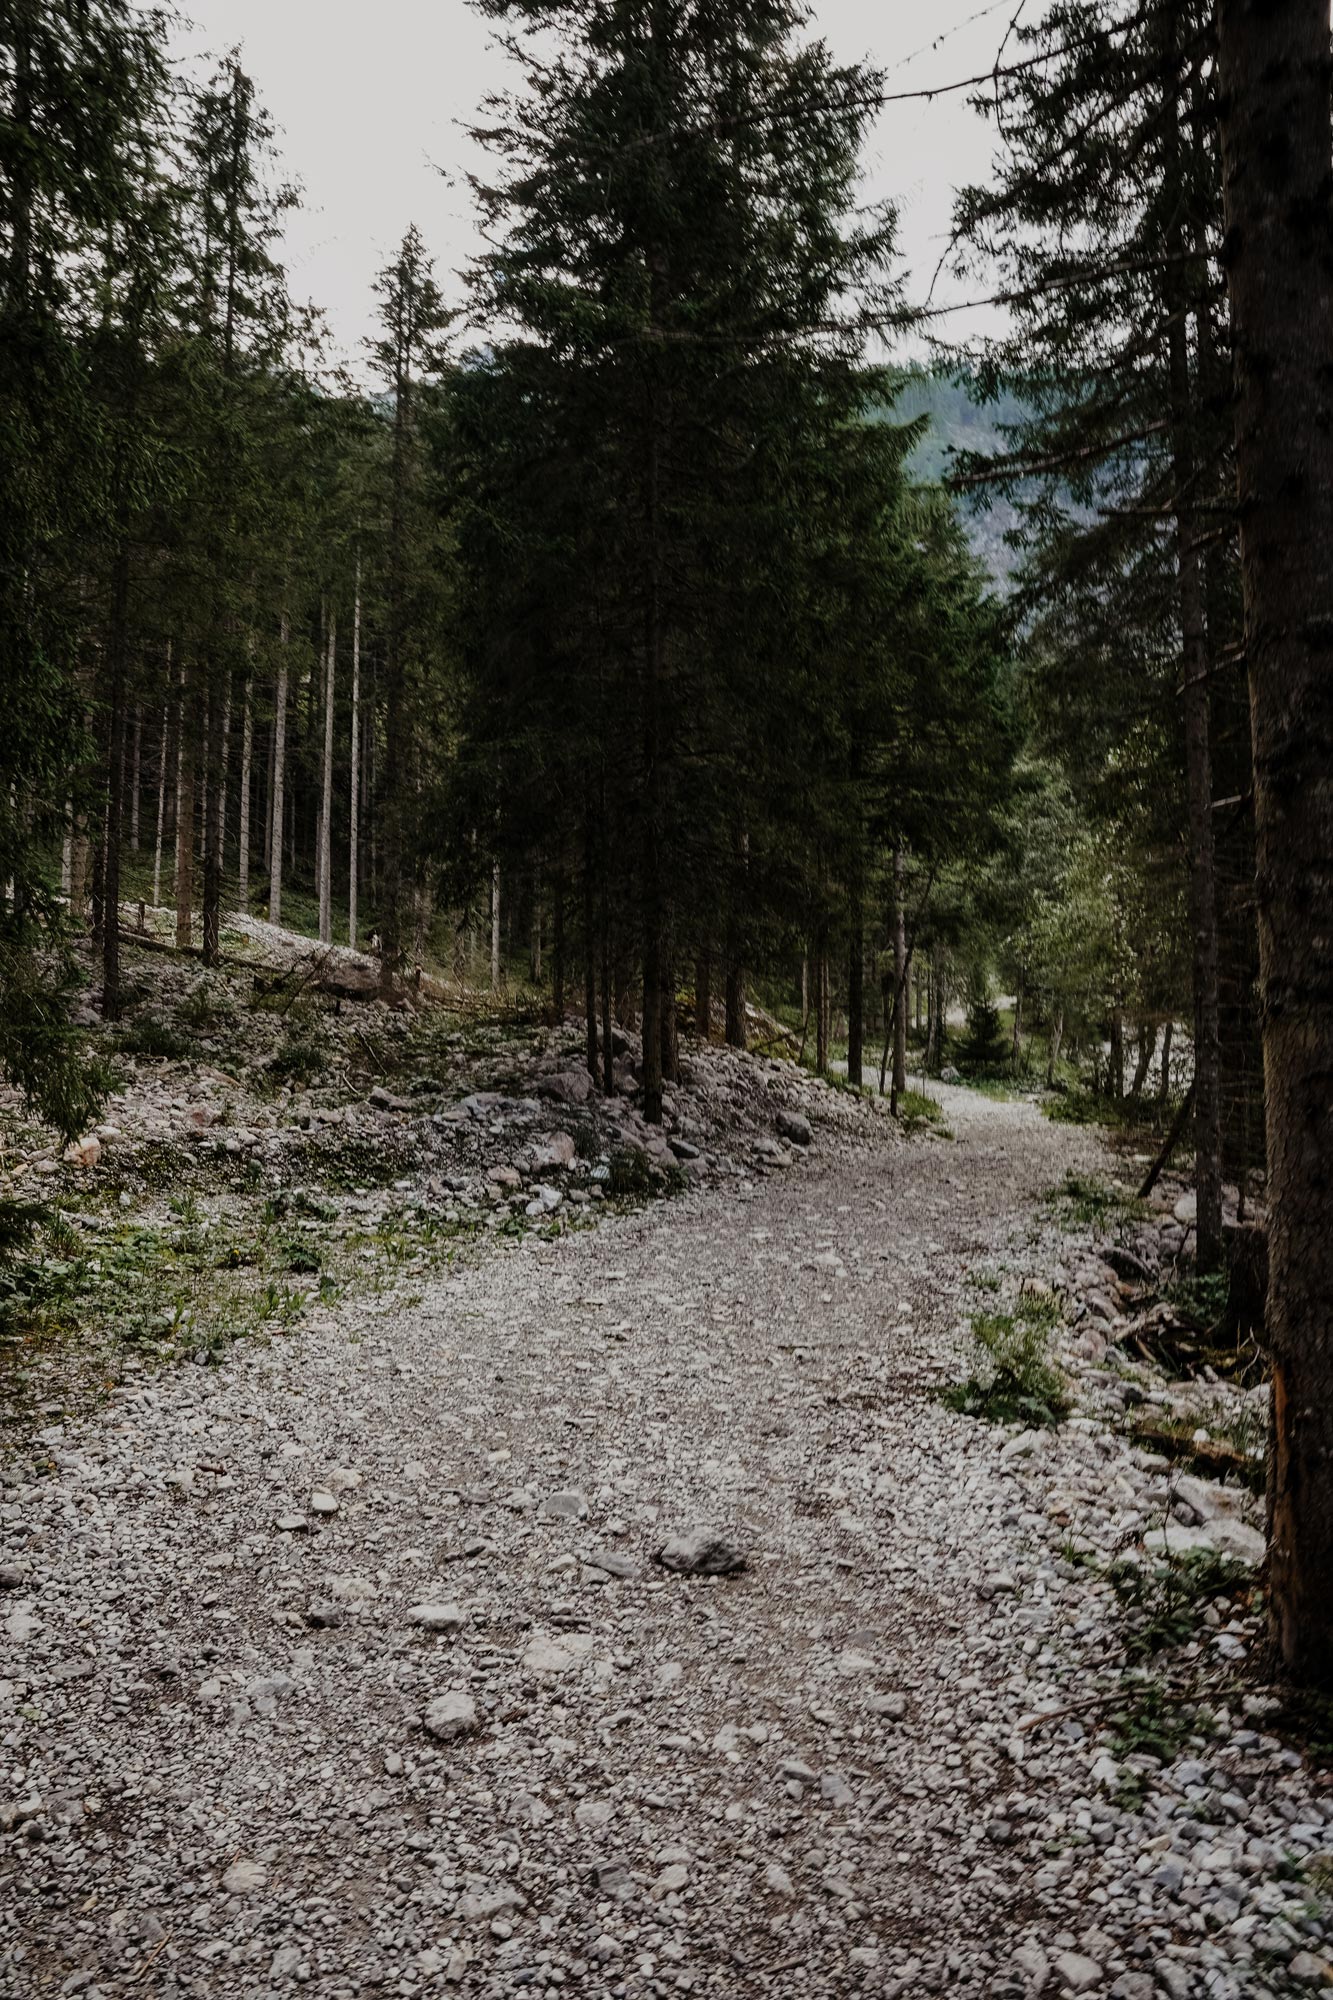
(1081,1199)
(917,1112)
(1014,1380)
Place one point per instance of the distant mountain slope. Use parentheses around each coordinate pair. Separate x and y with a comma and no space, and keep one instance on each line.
(957,424)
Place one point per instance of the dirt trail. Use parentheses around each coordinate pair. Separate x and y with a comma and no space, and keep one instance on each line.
(788,1780)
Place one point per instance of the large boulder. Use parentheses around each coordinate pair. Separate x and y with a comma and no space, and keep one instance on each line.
(795,1126)
(569,1086)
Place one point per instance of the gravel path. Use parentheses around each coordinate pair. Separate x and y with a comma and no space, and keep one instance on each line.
(805,1778)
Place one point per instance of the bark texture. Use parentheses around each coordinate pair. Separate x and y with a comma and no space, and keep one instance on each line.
(1274,74)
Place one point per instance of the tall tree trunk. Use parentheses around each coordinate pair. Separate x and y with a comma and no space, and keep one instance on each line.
(495,926)
(589,948)
(353,792)
(558,944)
(1147,1044)
(243,811)
(215,797)
(899,980)
(326,791)
(820,968)
(535,928)
(1116,1064)
(116,649)
(856,971)
(1053,1054)
(185,754)
(136,777)
(703,993)
(1016,1045)
(1164,1078)
(670,1025)
(1195,671)
(653,651)
(277,816)
(1273,73)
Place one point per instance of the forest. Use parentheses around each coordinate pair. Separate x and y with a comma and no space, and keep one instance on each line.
(669,647)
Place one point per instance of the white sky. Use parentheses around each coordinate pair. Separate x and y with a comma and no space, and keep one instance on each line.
(369,97)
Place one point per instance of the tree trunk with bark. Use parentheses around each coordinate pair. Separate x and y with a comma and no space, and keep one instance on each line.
(243,811)
(1053,1055)
(353,788)
(703,994)
(185,819)
(325,868)
(1273,77)
(277,816)
(856,995)
(899,981)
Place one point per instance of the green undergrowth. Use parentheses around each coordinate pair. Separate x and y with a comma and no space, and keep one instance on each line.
(1014,1378)
(1214,1442)
(1083,1199)
(1162,1600)
(918,1113)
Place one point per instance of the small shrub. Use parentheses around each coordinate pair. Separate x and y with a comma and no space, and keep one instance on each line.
(1013,1379)
(631,1175)
(1149,1721)
(154,1038)
(1163,1600)
(206,1005)
(299,1060)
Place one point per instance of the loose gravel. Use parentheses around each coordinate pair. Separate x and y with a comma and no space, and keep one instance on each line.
(350,1665)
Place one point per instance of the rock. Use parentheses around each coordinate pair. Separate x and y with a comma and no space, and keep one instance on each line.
(437,1617)
(1186,1210)
(950,1075)
(1307,1969)
(894,1706)
(557,1654)
(384,1100)
(83,1152)
(612,1878)
(1225,1536)
(293,1524)
(1032,1964)
(611,1564)
(569,1505)
(451,1716)
(835,1790)
(702,1551)
(592,1814)
(777,1881)
(323,1503)
(243,1878)
(1076,1973)
(558,1150)
(351,1589)
(671,1880)
(324,1615)
(571,1086)
(795,1126)
(1133,1986)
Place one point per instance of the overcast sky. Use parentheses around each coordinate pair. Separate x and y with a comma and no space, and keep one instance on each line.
(369,97)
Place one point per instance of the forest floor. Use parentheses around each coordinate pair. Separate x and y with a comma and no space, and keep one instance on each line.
(348,1663)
